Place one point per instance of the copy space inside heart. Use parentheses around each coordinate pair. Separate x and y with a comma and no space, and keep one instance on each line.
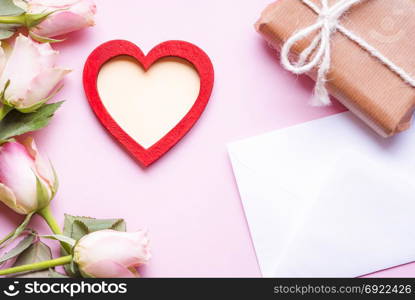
(148,104)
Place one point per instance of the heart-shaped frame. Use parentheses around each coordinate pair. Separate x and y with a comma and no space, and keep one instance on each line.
(180,49)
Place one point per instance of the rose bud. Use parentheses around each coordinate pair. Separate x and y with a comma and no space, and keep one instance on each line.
(30,76)
(67,16)
(27,181)
(112,254)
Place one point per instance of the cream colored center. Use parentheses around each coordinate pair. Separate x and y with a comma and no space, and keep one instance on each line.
(147,105)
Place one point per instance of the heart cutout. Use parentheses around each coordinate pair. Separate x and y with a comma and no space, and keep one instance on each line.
(171,53)
(153,101)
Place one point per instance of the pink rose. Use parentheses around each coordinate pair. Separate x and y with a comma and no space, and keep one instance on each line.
(70,15)
(27,181)
(112,254)
(31,75)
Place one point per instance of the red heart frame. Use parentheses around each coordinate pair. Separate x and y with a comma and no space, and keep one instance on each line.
(181,49)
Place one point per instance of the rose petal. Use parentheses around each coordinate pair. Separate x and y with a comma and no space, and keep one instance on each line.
(123,250)
(20,67)
(43,166)
(87,9)
(17,172)
(53,3)
(28,61)
(108,269)
(8,198)
(60,23)
(3,59)
(126,249)
(47,55)
(42,86)
(74,16)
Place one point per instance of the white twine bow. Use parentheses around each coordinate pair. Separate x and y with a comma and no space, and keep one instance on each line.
(327,24)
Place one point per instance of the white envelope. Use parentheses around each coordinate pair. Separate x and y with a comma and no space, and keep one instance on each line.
(284,178)
(363,221)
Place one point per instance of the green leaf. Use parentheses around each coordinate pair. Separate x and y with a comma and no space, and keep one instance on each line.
(42,197)
(56,180)
(77,227)
(17,123)
(42,39)
(58,237)
(37,252)
(6,33)
(72,270)
(97,224)
(32,20)
(20,247)
(33,108)
(17,232)
(8,8)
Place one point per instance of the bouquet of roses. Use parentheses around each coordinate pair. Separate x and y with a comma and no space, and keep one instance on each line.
(29,78)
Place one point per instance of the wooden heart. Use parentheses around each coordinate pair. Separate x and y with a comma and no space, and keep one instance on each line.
(147,154)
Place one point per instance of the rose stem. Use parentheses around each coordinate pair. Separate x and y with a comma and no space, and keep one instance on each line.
(6,238)
(46,214)
(13,19)
(64,260)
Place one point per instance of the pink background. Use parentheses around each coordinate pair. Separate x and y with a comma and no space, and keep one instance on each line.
(188,200)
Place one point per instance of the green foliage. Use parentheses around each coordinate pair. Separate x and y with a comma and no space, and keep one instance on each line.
(17,123)
(8,8)
(9,11)
(6,31)
(37,252)
(20,247)
(17,232)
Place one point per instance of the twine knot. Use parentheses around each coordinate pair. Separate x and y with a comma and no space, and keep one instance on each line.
(318,53)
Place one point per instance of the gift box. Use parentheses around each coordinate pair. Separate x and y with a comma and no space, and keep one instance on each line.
(379,91)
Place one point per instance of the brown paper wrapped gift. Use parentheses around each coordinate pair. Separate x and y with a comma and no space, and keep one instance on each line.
(358,80)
